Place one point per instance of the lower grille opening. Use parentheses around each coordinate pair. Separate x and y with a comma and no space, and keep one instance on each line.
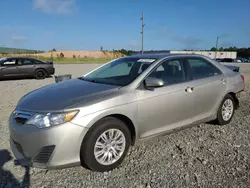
(45,154)
(21,120)
(18,147)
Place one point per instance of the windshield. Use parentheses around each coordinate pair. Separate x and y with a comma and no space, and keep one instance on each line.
(120,72)
(2,60)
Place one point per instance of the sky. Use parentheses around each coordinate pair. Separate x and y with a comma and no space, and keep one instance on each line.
(116,24)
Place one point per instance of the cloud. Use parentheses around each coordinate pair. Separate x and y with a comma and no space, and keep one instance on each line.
(12,28)
(54,6)
(224,35)
(49,34)
(11,35)
(164,32)
(19,38)
(188,42)
(133,44)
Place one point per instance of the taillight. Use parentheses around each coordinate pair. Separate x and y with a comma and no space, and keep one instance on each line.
(243,78)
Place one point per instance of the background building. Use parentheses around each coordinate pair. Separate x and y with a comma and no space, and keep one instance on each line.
(211,54)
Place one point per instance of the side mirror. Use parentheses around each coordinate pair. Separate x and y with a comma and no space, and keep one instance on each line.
(153,82)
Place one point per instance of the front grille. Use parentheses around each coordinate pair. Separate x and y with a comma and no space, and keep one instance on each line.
(21,116)
(18,147)
(45,154)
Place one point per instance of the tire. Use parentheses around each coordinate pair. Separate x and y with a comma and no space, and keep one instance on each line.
(222,120)
(88,148)
(40,74)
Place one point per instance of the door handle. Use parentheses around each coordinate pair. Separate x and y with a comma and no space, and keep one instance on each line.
(223,81)
(189,89)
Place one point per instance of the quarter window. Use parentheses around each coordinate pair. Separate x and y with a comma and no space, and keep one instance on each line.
(37,62)
(171,72)
(143,67)
(201,68)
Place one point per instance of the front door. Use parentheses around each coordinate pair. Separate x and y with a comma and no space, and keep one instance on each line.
(168,107)
(9,68)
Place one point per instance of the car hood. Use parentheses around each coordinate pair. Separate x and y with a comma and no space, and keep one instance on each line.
(60,96)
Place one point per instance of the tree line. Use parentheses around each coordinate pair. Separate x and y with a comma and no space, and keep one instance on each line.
(241,52)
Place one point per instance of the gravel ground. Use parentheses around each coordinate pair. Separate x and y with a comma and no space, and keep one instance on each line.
(201,156)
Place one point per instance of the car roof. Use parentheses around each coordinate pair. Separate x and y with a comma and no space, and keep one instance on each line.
(163,55)
(21,57)
(18,57)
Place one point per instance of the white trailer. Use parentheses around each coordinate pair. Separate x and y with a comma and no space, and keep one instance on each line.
(211,54)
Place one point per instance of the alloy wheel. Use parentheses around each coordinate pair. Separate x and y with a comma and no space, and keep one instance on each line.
(109,147)
(227,109)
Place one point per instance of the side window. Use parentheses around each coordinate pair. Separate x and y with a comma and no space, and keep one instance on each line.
(201,68)
(9,62)
(27,62)
(171,72)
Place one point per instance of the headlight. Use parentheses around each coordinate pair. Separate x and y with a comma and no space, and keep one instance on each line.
(51,119)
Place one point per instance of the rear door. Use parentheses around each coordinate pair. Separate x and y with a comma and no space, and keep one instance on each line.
(9,68)
(27,67)
(208,87)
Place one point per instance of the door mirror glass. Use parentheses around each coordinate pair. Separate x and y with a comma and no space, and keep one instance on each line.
(154,82)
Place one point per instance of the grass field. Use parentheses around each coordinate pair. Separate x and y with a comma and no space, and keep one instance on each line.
(80,60)
(84,60)
(71,57)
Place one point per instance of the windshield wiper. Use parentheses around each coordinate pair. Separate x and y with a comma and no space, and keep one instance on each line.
(89,80)
(81,78)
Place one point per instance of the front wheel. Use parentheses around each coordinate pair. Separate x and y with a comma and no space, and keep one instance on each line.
(105,145)
(40,74)
(226,110)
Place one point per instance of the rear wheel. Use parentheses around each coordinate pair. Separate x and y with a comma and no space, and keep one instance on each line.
(105,145)
(226,110)
(40,74)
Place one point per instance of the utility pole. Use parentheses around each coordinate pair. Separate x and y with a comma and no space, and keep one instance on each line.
(216,46)
(217,40)
(142,32)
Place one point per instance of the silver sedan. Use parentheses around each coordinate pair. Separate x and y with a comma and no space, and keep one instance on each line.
(94,119)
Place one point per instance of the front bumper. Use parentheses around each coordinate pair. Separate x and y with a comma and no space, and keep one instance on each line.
(49,148)
(51,71)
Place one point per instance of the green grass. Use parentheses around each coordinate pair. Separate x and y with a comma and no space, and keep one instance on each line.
(80,60)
